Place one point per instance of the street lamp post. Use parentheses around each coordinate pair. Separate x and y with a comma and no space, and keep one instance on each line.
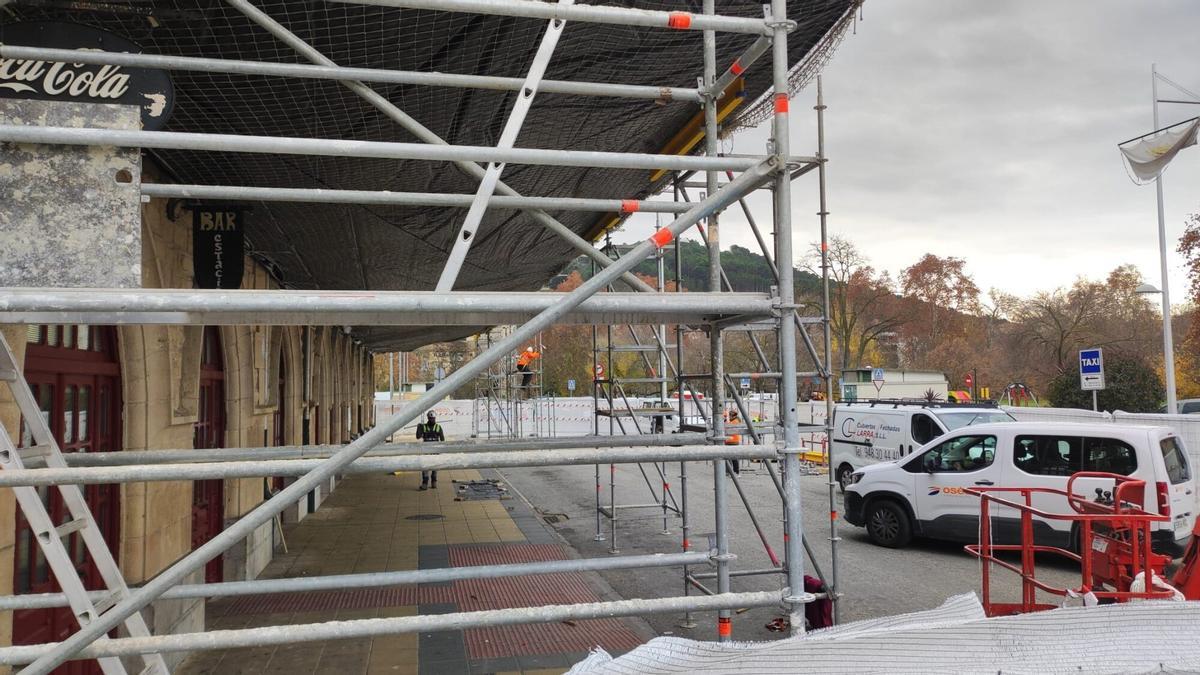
(1168,348)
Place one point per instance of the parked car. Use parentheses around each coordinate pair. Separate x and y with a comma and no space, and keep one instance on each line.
(1188,406)
(866,432)
(924,494)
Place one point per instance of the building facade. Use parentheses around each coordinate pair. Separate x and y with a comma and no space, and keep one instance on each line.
(114,388)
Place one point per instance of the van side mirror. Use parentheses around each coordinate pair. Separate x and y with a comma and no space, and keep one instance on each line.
(928,462)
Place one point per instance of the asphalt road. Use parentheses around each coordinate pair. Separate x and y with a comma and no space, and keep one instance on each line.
(873,581)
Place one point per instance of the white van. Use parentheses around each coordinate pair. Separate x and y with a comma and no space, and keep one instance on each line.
(867,432)
(925,494)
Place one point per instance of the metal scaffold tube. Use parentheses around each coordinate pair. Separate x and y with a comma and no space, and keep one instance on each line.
(716,342)
(341,582)
(344,74)
(360,628)
(828,344)
(93,475)
(621,16)
(508,139)
(360,308)
(264,512)
(128,457)
(787,329)
(388,198)
(333,147)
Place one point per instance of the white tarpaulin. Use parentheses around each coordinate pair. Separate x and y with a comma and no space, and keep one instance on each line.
(1148,155)
(1144,637)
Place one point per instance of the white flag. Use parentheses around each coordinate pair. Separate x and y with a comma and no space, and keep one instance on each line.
(1148,155)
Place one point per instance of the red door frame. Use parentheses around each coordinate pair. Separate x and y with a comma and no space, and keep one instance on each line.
(75,374)
(208,496)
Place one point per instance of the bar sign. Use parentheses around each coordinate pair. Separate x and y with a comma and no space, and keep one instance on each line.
(218,245)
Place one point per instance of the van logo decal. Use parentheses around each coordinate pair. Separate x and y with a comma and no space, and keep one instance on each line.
(934,491)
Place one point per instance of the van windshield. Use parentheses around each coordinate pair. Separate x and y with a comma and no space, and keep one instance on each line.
(1175,460)
(957,420)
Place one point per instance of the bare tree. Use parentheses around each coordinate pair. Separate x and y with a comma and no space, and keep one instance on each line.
(863,302)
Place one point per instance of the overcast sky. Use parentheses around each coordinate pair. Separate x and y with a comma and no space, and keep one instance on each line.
(987,130)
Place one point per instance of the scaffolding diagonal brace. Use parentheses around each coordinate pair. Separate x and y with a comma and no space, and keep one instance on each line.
(265,511)
(508,138)
(423,133)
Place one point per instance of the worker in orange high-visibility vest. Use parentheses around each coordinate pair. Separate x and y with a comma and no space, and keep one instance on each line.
(524,361)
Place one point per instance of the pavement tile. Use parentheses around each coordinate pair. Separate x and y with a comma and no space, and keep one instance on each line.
(447,667)
(366,527)
(493,666)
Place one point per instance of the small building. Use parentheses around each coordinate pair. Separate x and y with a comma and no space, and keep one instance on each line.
(856,384)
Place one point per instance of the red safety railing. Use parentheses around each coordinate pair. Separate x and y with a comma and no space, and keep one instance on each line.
(1113,540)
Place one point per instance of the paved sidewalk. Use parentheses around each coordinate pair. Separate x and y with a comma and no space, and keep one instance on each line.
(383,523)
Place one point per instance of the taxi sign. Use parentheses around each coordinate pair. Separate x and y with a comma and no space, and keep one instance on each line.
(1091,369)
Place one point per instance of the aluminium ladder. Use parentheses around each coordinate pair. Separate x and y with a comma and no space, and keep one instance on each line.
(45,453)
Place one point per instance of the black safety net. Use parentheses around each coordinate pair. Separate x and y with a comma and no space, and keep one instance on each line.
(326,246)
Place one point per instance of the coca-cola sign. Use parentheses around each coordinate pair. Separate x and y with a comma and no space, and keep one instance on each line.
(148,89)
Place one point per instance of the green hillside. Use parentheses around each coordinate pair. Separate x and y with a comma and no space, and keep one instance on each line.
(747,271)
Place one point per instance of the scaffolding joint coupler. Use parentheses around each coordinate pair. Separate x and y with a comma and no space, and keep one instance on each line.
(801,599)
(772,23)
(715,557)
(782,448)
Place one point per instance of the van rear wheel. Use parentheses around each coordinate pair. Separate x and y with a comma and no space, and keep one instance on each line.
(888,524)
(843,476)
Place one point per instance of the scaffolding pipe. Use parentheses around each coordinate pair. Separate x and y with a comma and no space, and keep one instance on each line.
(344,74)
(828,340)
(341,582)
(716,341)
(95,475)
(201,307)
(421,132)
(508,139)
(620,16)
(336,147)
(747,58)
(129,457)
(787,329)
(366,628)
(388,198)
(236,532)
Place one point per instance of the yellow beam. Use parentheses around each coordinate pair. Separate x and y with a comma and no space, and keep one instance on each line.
(682,143)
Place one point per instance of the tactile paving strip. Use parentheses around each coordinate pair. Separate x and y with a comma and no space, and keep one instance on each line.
(615,635)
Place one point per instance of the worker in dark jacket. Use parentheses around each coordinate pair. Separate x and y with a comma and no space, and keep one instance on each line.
(428,432)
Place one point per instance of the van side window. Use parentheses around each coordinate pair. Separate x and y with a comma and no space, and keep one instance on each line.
(1065,455)
(958,455)
(924,429)
(1175,460)
(1109,455)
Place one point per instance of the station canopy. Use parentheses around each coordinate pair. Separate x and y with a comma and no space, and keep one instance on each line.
(342,247)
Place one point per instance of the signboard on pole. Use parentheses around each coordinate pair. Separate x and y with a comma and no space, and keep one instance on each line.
(745,383)
(877,379)
(1091,369)
(571,385)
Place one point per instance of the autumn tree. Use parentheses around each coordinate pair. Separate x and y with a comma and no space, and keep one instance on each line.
(863,302)
(940,293)
(1055,325)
